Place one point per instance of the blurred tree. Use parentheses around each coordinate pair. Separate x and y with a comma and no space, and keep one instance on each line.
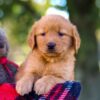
(85,15)
(20,14)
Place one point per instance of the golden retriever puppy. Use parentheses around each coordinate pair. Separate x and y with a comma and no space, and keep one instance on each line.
(54,41)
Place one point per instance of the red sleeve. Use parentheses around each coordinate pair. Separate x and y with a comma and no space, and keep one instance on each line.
(7,92)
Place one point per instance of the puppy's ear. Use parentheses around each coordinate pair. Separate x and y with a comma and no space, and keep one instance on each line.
(7,47)
(76,39)
(32,37)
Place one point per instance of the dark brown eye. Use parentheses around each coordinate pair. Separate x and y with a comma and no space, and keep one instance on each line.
(60,34)
(43,34)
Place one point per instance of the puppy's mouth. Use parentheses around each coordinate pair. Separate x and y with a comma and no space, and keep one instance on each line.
(52,53)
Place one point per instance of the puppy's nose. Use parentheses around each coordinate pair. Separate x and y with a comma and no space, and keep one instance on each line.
(51,45)
(1,45)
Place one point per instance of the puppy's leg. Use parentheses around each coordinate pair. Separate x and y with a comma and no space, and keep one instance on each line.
(28,74)
(25,84)
(46,83)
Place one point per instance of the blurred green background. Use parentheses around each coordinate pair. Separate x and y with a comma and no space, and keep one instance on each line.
(17,17)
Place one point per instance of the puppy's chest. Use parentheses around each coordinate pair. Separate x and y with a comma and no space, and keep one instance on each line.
(52,69)
(43,69)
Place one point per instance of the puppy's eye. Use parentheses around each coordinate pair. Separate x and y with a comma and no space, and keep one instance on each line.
(61,34)
(43,34)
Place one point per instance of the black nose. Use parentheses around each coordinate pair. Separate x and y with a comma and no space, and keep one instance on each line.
(51,46)
(1,45)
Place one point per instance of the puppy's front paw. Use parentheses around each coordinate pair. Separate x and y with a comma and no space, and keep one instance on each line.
(42,86)
(24,86)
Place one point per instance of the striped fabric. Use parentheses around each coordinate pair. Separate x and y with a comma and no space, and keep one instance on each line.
(69,90)
(66,91)
(8,70)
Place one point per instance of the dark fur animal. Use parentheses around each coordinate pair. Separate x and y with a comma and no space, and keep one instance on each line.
(8,69)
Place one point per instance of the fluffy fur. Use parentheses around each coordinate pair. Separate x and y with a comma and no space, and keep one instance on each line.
(43,67)
(4,47)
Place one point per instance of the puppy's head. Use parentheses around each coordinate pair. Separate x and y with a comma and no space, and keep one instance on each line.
(4,47)
(53,35)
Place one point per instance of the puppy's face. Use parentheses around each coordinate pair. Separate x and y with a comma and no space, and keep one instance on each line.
(3,46)
(52,41)
(53,35)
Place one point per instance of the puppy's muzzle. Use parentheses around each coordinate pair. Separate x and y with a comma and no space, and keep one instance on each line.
(51,46)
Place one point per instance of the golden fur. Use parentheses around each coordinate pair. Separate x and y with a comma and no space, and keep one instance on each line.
(45,69)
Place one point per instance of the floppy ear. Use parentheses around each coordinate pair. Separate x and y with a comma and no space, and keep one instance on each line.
(76,39)
(32,37)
